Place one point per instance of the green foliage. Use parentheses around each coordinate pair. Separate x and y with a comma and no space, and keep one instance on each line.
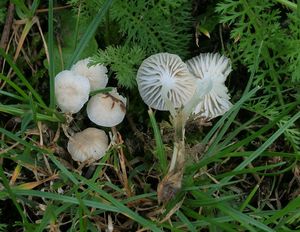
(136,28)
(67,37)
(141,22)
(270,112)
(3,4)
(123,61)
(259,22)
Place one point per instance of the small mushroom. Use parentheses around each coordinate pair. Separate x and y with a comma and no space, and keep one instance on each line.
(164,81)
(88,145)
(215,67)
(107,109)
(71,91)
(96,73)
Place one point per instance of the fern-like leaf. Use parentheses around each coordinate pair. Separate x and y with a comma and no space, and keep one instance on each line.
(156,26)
(123,61)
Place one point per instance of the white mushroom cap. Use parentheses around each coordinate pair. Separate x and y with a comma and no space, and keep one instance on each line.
(164,78)
(88,145)
(107,109)
(215,67)
(96,73)
(71,91)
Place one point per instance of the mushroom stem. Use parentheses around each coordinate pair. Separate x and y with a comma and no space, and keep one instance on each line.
(66,126)
(178,156)
(171,183)
(204,86)
(169,105)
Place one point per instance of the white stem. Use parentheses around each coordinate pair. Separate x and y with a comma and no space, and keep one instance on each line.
(178,155)
(169,104)
(204,86)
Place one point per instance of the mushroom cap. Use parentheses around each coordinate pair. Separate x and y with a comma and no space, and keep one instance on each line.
(165,76)
(71,91)
(106,109)
(89,144)
(96,73)
(215,67)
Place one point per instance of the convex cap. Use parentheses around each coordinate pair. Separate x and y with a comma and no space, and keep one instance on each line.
(88,145)
(164,79)
(215,67)
(71,91)
(107,109)
(96,73)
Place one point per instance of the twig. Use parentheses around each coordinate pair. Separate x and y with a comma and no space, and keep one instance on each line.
(122,159)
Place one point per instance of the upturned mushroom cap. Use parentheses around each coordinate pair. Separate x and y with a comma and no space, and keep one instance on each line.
(165,77)
(71,91)
(107,109)
(96,73)
(88,145)
(215,67)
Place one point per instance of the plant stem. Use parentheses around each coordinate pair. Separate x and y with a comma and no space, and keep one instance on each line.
(291,5)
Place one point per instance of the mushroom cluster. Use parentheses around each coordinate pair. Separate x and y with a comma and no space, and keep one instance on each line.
(192,88)
(166,82)
(72,90)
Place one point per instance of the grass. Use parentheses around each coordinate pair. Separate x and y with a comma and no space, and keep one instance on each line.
(242,173)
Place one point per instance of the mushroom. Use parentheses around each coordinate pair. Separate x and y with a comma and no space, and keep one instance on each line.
(88,145)
(71,91)
(107,109)
(215,67)
(164,81)
(96,73)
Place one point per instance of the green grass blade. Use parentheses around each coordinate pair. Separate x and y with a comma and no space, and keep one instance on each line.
(249,198)
(65,199)
(186,221)
(51,213)
(16,110)
(11,95)
(160,151)
(235,107)
(51,54)
(34,6)
(26,144)
(246,221)
(15,87)
(264,146)
(210,157)
(121,207)
(21,5)
(22,77)
(292,205)
(250,170)
(12,196)
(89,32)
(64,170)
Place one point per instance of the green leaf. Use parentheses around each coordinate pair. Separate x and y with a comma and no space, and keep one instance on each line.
(89,33)
(160,150)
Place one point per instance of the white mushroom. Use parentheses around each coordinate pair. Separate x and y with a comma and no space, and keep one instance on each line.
(71,91)
(96,73)
(215,67)
(107,109)
(88,145)
(164,81)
